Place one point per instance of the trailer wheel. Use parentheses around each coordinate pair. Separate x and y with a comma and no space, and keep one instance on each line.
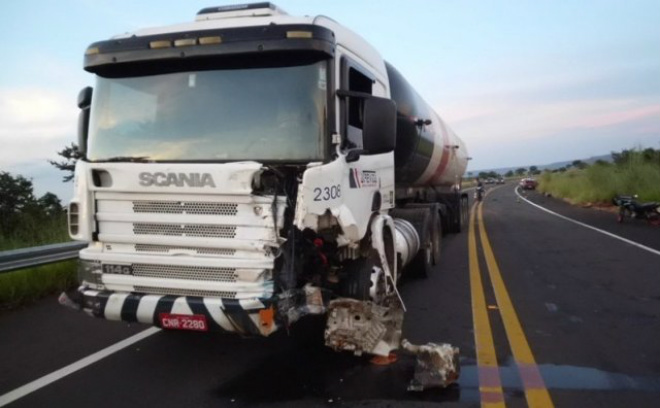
(464,212)
(436,236)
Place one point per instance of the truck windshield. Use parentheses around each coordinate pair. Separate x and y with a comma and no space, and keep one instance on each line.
(262,114)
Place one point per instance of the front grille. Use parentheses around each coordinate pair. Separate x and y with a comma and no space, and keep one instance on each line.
(198,273)
(185,292)
(185,207)
(163,249)
(188,230)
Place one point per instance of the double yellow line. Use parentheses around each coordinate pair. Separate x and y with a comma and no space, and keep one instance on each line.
(490,385)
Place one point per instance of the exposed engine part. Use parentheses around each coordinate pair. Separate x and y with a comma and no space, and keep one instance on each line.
(437,365)
(407,240)
(363,326)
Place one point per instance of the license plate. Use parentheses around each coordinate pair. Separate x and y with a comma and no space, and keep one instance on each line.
(183,322)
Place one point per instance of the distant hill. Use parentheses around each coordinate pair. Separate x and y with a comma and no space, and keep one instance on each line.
(550,166)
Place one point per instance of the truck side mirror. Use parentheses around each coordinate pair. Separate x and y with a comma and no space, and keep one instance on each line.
(84,103)
(379,125)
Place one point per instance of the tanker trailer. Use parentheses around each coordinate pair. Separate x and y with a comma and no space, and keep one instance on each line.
(430,161)
(238,173)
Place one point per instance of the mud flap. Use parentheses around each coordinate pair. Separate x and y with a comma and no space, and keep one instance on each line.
(363,326)
(437,365)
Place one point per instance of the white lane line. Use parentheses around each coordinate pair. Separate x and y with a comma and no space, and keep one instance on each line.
(609,234)
(26,389)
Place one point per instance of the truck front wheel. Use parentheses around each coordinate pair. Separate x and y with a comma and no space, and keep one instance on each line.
(422,264)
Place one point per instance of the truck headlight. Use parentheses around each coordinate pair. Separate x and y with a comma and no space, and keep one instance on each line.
(89,273)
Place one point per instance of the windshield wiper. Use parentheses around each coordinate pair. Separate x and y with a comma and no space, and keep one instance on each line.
(134,159)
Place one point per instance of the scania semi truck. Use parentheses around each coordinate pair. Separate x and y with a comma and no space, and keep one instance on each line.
(251,167)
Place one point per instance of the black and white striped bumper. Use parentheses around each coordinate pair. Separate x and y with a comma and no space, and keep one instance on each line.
(244,316)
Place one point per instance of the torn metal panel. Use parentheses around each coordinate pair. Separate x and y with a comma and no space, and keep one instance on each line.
(363,326)
(296,303)
(379,223)
(437,365)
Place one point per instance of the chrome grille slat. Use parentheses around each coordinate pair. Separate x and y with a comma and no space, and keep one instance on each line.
(163,249)
(198,273)
(185,207)
(189,230)
(185,292)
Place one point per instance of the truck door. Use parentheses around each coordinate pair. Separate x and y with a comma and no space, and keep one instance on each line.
(357,79)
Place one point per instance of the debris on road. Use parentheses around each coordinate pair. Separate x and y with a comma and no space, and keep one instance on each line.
(437,365)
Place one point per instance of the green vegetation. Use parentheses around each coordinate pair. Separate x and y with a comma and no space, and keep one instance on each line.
(27,285)
(27,221)
(632,172)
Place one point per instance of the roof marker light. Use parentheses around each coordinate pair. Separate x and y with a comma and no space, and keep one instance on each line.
(184,42)
(210,40)
(160,44)
(298,34)
(92,51)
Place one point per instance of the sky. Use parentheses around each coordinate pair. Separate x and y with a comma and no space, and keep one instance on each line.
(521,82)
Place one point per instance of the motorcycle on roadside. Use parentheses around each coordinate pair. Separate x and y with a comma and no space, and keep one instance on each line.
(479,193)
(629,207)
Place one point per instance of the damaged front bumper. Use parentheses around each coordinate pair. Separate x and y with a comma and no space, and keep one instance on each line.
(244,316)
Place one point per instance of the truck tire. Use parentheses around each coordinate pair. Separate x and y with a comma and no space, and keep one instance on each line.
(436,237)
(357,282)
(437,228)
(458,213)
(422,264)
(462,214)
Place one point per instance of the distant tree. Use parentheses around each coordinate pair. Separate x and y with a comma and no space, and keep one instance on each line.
(601,162)
(562,169)
(534,170)
(482,175)
(579,164)
(520,171)
(622,158)
(509,173)
(71,154)
(15,196)
(50,204)
(651,155)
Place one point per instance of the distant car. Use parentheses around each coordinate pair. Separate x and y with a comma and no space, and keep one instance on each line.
(528,184)
(500,181)
(490,181)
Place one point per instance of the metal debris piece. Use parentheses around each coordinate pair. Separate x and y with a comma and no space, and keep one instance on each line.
(66,300)
(437,365)
(363,326)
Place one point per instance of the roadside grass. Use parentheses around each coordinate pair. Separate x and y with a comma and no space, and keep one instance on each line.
(36,232)
(27,285)
(599,183)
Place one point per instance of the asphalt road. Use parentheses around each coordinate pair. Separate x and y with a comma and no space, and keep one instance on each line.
(573,320)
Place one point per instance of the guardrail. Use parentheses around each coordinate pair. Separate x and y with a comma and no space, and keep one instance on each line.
(40,255)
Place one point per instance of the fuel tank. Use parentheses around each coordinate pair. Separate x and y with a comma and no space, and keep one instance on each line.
(428,153)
